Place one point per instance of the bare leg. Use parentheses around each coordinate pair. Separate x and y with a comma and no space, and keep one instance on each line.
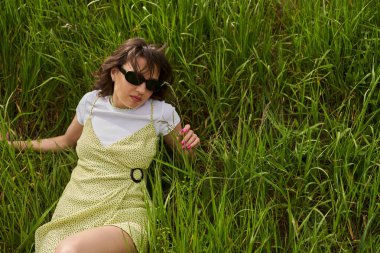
(98,240)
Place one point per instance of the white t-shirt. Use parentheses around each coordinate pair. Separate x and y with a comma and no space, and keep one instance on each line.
(112,124)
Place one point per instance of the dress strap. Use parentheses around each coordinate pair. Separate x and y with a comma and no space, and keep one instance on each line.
(93,104)
(151,110)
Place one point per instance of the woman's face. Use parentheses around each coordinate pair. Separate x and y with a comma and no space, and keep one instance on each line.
(127,95)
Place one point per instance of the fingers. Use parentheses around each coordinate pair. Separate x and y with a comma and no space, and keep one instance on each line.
(4,138)
(185,129)
(189,138)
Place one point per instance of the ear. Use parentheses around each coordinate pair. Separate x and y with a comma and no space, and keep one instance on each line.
(114,71)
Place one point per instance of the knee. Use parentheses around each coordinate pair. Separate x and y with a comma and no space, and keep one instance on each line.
(67,246)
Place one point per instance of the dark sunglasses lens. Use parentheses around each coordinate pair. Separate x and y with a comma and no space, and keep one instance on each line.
(136,79)
(132,78)
(153,85)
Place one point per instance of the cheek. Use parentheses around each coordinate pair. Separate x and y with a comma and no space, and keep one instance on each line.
(116,85)
(149,94)
(119,87)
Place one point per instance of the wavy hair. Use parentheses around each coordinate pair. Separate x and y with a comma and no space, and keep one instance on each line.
(129,51)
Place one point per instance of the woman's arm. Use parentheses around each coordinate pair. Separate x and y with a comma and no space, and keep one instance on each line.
(67,140)
(182,138)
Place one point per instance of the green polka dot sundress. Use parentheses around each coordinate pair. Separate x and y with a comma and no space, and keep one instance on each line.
(101,190)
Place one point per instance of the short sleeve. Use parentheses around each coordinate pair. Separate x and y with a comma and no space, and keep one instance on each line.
(84,106)
(169,119)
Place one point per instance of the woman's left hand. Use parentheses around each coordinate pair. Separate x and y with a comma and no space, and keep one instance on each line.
(188,138)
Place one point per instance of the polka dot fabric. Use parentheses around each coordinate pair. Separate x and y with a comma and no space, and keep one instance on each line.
(101,191)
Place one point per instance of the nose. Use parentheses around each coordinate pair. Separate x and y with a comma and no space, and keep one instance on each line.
(141,88)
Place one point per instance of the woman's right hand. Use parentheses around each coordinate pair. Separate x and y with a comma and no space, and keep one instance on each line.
(67,140)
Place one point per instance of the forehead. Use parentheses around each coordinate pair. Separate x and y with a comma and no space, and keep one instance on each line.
(142,66)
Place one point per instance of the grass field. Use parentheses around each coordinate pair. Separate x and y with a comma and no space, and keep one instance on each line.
(283,93)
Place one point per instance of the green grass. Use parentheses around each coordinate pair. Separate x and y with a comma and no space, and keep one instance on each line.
(283,93)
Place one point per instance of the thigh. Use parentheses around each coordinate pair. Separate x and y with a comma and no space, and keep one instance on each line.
(98,240)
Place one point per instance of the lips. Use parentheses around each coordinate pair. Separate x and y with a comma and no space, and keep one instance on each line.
(137,99)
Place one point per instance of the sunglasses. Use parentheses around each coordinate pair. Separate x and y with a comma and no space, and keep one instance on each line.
(137,79)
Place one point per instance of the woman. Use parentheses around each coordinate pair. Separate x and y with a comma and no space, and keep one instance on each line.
(115,130)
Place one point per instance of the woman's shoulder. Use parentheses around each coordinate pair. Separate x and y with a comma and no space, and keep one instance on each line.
(167,115)
(89,97)
(162,107)
(162,104)
(91,94)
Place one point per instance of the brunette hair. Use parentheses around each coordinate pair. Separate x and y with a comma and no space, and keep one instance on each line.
(129,51)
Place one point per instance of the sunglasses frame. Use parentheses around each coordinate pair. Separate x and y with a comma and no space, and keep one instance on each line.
(137,79)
